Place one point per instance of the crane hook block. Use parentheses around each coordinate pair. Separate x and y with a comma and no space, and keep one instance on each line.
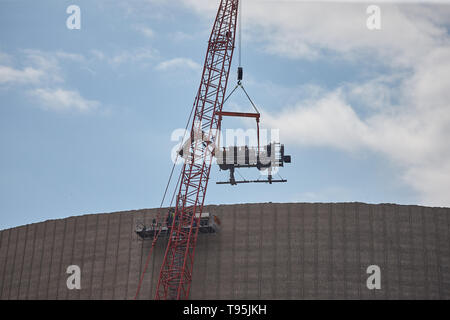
(240,73)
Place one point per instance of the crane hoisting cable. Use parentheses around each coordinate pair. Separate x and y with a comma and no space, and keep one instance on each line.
(176,271)
(183,225)
(234,157)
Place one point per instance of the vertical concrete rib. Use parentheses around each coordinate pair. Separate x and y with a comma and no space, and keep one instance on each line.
(116,256)
(373,248)
(385,250)
(447,265)
(290,283)
(200,281)
(44,260)
(123,257)
(35,259)
(337,251)
(309,272)
(330,251)
(60,262)
(13,262)
(146,289)
(219,262)
(66,257)
(233,255)
(205,255)
(324,268)
(353,252)
(25,273)
(260,251)
(84,241)
(316,251)
(353,266)
(44,285)
(70,261)
(105,256)
(5,248)
(411,254)
(21,248)
(433,253)
(100,256)
(399,252)
(274,281)
(438,252)
(41,259)
(358,248)
(425,256)
(344,250)
(134,270)
(91,278)
(302,287)
(130,241)
(112,247)
(247,232)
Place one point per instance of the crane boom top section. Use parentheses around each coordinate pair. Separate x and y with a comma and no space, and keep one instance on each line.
(176,271)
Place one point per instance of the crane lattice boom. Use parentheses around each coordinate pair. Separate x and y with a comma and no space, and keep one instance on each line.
(176,270)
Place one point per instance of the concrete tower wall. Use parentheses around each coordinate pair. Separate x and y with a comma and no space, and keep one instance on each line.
(264,251)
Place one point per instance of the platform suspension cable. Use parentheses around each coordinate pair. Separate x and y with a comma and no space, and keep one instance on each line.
(158,215)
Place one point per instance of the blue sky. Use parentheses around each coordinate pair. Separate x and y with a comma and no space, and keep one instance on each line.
(86,116)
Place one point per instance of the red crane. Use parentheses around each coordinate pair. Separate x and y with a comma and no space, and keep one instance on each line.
(176,271)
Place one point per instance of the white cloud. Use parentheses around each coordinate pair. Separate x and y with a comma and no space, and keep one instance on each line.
(329,121)
(70,56)
(63,100)
(43,70)
(38,68)
(403,114)
(141,55)
(137,56)
(146,31)
(97,54)
(181,36)
(178,63)
(150,9)
(10,75)
(413,134)
(46,62)
(320,30)
(202,6)
(5,58)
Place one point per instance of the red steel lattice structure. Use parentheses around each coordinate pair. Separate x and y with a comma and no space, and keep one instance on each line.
(176,271)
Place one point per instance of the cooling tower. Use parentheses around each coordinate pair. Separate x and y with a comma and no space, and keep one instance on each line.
(263,251)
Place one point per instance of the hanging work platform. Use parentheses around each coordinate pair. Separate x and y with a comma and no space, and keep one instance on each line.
(208,224)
